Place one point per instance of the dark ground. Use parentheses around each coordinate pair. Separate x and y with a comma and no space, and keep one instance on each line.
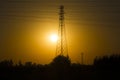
(61,68)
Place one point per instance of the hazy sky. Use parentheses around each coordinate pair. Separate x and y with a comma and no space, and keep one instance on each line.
(93,27)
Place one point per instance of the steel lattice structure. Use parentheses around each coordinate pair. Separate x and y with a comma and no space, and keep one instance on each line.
(61,47)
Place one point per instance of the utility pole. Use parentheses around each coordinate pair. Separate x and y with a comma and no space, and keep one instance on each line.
(82,55)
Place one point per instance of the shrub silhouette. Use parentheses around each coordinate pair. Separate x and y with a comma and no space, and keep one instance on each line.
(60,67)
(61,61)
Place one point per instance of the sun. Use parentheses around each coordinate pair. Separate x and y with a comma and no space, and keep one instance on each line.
(54,37)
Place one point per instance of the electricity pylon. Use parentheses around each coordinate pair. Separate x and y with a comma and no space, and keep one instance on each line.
(61,47)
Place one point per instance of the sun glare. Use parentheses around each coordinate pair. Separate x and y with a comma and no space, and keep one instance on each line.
(54,38)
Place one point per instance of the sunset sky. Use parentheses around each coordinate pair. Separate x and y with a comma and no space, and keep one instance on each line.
(92,26)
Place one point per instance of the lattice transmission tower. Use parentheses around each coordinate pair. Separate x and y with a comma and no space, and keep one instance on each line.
(61,47)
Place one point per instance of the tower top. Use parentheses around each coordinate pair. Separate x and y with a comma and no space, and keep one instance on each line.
(61,7)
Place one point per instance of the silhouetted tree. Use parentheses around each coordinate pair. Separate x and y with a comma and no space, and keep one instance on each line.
(61,65)
(107,60)
(6,63)
(61,61)
(107,67)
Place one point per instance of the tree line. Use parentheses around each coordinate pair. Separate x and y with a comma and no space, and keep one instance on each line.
(61,68)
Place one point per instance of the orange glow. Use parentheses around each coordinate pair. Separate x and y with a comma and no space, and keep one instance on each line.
(54,38)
